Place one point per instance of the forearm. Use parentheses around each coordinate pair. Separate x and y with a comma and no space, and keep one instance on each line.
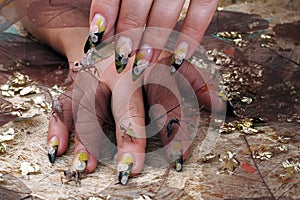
(67,41)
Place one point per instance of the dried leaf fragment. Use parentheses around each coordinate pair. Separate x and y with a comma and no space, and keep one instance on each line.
(208,158)
(27,168)
(262,155)
(3,147)
(7,135)
(230,163)
(291,167)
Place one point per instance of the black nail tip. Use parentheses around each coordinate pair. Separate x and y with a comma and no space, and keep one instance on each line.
(230,112)
(123,177)
(52,156)
(89,43)
(174,68)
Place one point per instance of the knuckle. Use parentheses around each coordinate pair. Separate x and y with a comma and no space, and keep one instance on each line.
(129,21)
(192,27)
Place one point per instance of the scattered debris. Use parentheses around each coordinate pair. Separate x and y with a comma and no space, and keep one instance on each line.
(28,168)
(246,126)
(143,197)
(291,167)
(209,158)
(7,135)
(262,155)
(230,163)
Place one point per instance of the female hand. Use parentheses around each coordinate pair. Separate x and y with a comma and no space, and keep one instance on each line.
(108,18)
(88,105)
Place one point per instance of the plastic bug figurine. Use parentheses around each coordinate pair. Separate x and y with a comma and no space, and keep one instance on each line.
(128,131)
(169,126)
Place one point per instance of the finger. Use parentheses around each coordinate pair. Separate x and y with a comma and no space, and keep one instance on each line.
(164,14)
(128,112)
(205,86)
(103,16)
(90,161)
(59,126)
(133,15)
(199,15)
(165,112)
(93,111)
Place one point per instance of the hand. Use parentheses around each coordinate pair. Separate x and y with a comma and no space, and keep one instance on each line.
(108,18)
(116,93)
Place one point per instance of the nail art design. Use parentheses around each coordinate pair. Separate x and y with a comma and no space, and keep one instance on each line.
(77,168)
(97,29)
(142,60)
(176,155)
(123,50)
(178,56)
(52,149)
(124,168)
(79,162)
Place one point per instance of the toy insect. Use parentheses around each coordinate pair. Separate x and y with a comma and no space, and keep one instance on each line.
(169,126)
(128,131)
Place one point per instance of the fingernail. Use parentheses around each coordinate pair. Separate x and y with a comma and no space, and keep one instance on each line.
(80,161)
(77,168)
(97,29)
(176,156)
(124,168)
(52,149)
(123,50)
(142,60)
(178,56)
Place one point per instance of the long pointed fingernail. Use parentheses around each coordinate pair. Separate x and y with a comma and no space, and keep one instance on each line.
(97,29)
(52,149)
(123,50)
(142,60)
(176,156)
(124,168)
(178,56)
